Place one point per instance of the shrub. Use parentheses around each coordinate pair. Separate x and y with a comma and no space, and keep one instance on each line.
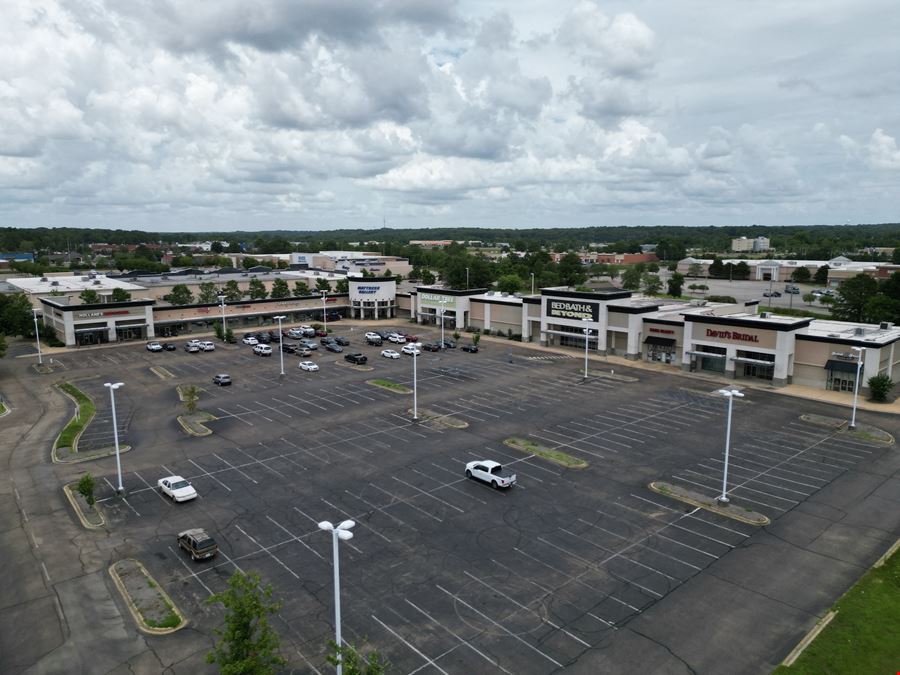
(880,386)
(86,488)
(720,298)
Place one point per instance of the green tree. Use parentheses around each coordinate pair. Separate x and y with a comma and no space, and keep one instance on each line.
(695,270)
(882,308)
(476,338)
(852,296)
(190,395)
(300,288)
(322,284)
(808,298)
(631,278)
(821,275)
(232,291)
(509,283)
(215,247)
(16,317)
(280,289)
(229,335)
(653,267)
(675,283)
(86,487)
(180,295)
(89,296)
(249,262)
(351,663)
(801,275)
(650,283)
(741,271)
(428,277)
(219,331)
(208,293)
(2,345)
(342,286)
(120,295)
(716,268)
(247,643)
(183,261)
(257,289)
(571,270)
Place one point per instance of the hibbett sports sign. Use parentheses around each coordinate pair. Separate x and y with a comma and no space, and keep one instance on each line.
(565,309)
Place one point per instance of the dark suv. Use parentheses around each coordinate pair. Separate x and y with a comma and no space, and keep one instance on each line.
(341,340)
(199,544)
(356,359)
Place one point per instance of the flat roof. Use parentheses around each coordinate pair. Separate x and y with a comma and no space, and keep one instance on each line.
(69,284)
(861,332)
(289,275)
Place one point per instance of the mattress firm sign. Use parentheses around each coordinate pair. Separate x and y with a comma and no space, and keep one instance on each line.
(568,309)
(373,291)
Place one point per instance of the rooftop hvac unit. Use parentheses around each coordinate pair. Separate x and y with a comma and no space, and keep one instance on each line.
(43,278)
(885,325)
(859,330)
(96,282)
(54,283)
(763,315)
(85,278)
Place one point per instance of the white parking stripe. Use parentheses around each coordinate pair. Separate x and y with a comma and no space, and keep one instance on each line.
(428,660)
(232,466)
(299,540)
(207,473)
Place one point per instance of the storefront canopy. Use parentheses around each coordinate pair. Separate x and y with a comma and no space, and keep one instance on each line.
(834,365)
(661,341)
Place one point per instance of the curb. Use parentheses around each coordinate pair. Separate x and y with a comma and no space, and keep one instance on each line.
(67,489)
(808,638)
(408,391)
(726,512)
(142,625)
(78,435)
(187,426)
(887,554)
(90,456)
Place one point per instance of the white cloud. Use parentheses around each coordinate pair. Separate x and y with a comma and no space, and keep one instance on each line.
(334,113)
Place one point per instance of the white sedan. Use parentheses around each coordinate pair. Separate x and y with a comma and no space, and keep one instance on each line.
(397,338)
(154,347)
(412,349)
(177,488)
(207,346)
(309,366)
(250,341)
(390,354)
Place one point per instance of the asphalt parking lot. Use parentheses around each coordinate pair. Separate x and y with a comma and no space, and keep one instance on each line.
(585,570)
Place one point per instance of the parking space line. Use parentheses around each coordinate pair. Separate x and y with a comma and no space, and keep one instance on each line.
(264,549)
(494,589)
(303,513)
(349,441)
(232,466)
(464,643)
(204,472)
(308,402)
(500,626)
(236,416)
(518,459)
(381,509)
(700,534)
(406,425)
(742,458)
(721,527)
(291,405)
(364,524)
(428,494)
(593,565)
(681,543)
(305,451)
(401,500)
(451,486)
(429,661)
(736,470)
(190,572)
(254,412)
(274,410)
(261,463)
(122,497)
(296,538)
(557,444)
(151,488)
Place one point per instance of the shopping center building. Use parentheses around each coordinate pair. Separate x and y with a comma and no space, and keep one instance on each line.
(735,340)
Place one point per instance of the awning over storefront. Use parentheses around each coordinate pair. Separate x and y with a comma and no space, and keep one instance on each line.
(760,362)
(835,365)
(661,341)
(709,355)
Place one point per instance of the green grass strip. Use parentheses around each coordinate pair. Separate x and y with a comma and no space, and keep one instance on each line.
(390,384)
(2,408)
(86,412)
(864,636)
(556,456)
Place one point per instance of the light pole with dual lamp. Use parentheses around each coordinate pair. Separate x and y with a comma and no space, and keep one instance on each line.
(37,339)
(324,313)
(112,386)
(860,355)
(280,342)
(222,305)
(342,531)
(730,394)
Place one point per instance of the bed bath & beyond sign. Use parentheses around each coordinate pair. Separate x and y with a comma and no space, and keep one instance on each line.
(732,335)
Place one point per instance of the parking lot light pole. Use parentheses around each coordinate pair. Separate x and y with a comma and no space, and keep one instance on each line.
(860,355)
(532,283)
(730,394)
(112,398)
(280,342)
(324,313)
(342,531)
(222,305)
(587,336)
(415,356)
(37,339)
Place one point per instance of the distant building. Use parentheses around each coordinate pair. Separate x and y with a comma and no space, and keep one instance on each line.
(430,243)
(624,258)
(744,245)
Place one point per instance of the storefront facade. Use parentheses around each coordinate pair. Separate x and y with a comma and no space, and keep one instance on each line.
(373,298)
(77,325)
(430,304)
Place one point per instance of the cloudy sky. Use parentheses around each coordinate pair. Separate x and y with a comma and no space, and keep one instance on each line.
(169,115)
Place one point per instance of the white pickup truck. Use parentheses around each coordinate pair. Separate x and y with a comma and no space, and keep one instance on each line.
(491,472)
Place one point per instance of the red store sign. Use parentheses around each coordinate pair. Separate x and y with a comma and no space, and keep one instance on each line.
(664,331)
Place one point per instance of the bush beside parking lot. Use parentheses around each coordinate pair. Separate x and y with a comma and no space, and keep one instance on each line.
(391,386)
(555,456)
